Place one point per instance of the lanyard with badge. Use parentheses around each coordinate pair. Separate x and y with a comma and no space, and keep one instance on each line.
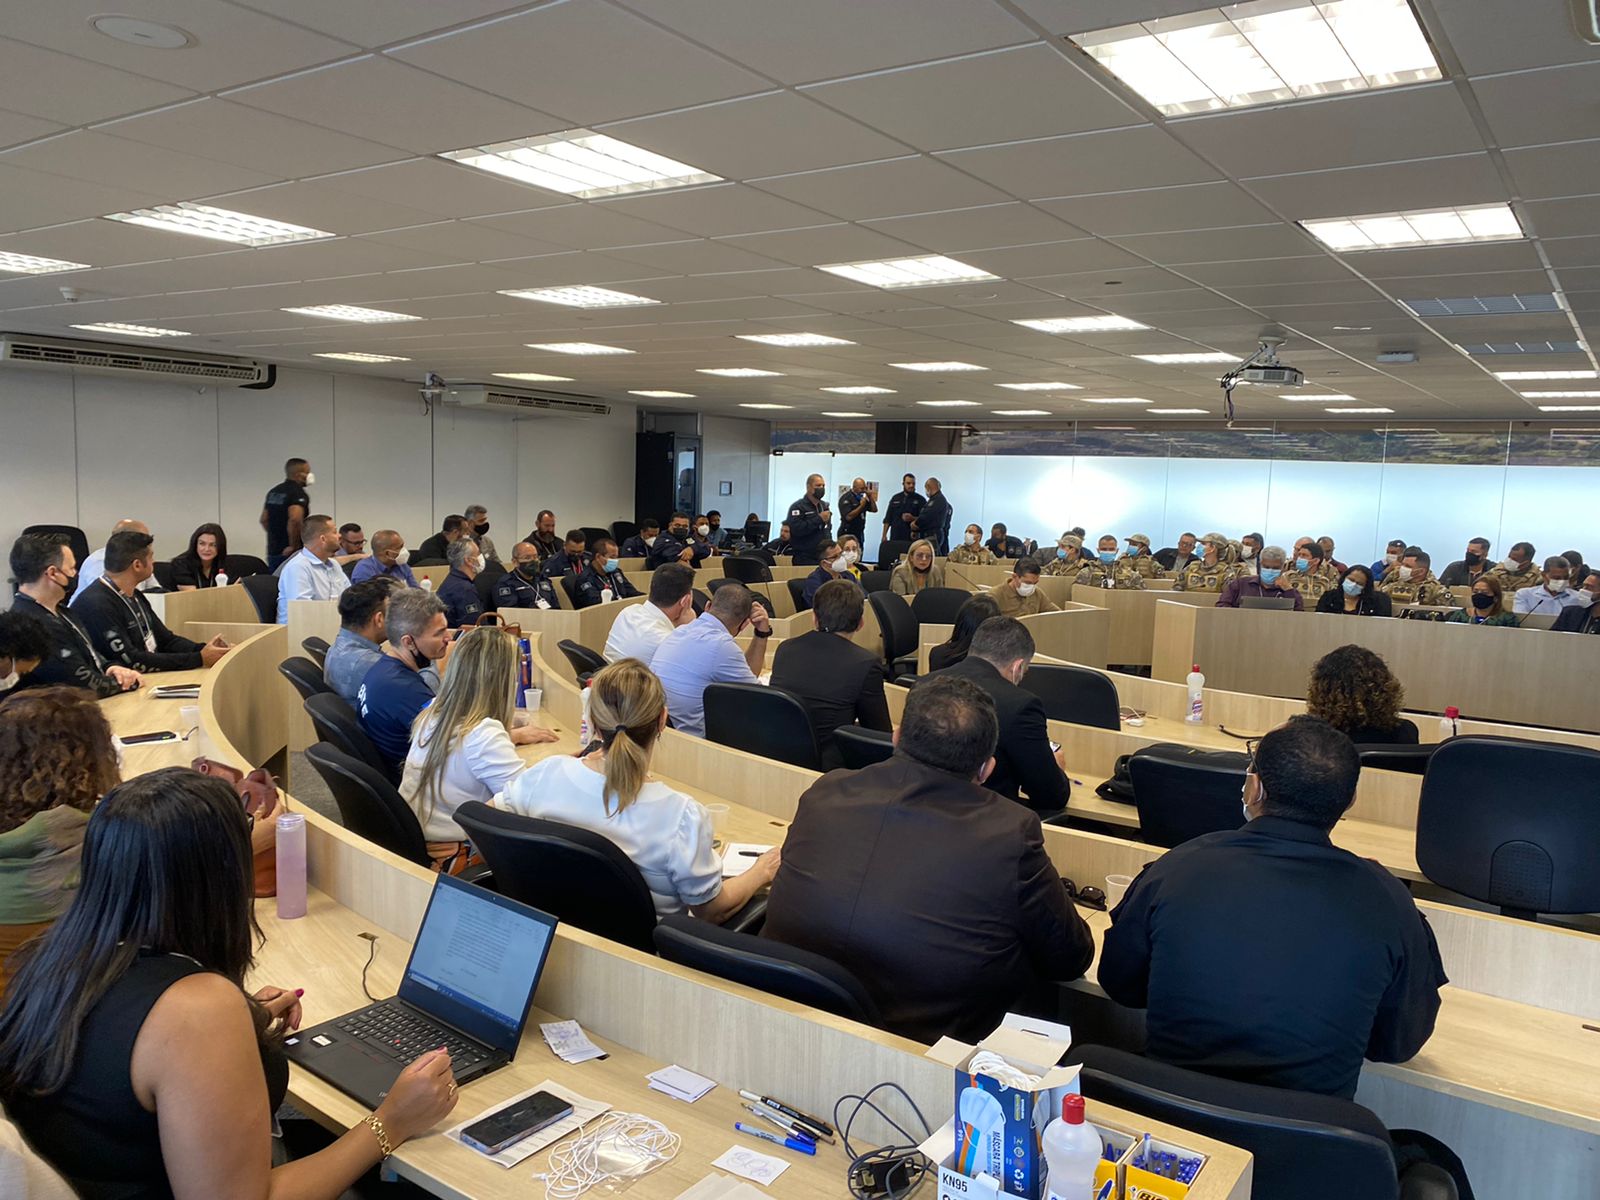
(138,616)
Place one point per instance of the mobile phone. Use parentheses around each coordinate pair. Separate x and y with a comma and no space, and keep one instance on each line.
(138,739)
(529,1115)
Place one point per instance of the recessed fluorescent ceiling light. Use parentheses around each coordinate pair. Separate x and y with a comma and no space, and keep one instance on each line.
(938,366)
(582,163)
(219,224)
(948,403)
(793,339)
(532,377)
(577,348)
(1113,400)
(28,264)
(1020,412)
(581,297)
(846,414)
(1513,375)
(766,406)
(1478,306)
(1265,53)
(1175,359)
(1569,408)
(909,272)
(1110,323)
(1483,348)
(349,312)
(1359,411)
(736,372)
(861,391)
(358,356)
(1321,396)
(133,330)
(1176,412)
(1041,387)
(1562,395)
(658,395)
(1419,227)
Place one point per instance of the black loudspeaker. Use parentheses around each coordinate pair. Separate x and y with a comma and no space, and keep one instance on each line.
(896,437)
(655,477)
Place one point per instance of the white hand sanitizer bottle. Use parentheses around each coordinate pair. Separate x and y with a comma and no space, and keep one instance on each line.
(1073,1151)
(1197,695)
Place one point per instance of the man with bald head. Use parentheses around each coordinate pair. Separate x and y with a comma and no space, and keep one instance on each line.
(854,506)
(95,565)
(387,560)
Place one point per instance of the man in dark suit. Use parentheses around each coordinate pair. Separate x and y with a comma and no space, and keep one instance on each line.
(839,682)
(912,876)
(1001,650)
(1175,558)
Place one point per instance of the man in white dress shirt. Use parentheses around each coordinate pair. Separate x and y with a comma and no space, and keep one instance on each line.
(312,574)
(640,628)
(1553,595)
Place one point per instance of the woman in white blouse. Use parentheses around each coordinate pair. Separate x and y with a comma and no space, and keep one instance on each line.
(609,791)
(464,745)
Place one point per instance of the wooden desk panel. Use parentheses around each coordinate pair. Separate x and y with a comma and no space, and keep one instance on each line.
(1131,639)
(227,605)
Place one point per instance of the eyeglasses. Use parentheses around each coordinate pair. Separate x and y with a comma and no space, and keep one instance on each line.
(1089,897)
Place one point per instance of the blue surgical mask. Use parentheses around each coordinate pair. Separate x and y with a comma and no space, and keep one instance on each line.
(1302,564)
(1061,551)
(613,564)
(1351,587)
(1108,556)
(1269,575)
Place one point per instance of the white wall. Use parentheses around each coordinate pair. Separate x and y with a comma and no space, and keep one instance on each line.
(581,468)
(737,451)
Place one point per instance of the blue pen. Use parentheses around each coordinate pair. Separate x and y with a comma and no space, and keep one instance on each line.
(792,1143)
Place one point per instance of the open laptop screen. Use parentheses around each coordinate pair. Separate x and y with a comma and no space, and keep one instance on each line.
(477,961)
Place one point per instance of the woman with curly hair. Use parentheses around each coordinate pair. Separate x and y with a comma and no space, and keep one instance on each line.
(1353,690)
(56,761)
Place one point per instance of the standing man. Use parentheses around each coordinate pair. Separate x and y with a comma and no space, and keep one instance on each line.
(387,561)
(459,591)
(312,574)
(477,518)
(904,507)
(809,522)
(544,533)
(121,623)
(933,522)
(44,571)
(283,515)
(524,586)
(854,506)
(1267,583)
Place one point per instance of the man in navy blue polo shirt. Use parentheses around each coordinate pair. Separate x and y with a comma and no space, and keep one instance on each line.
(394,690)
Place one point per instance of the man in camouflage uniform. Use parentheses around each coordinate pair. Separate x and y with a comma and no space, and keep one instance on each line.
(1213,572)
(972,551)
(1414,582)
(1068,560)
(1524,575)
(1139,558)
(1312,579)
(1109,571)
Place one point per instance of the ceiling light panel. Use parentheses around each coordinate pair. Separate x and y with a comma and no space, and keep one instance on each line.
(219,224)
(1321,397)
(1041,387)
(736,372)
(1111,400)
(150,331)
(1265,53)
(948,403)
(577,348)
(1569,408)
(28,264)
(1419,227)
(793,339)
(359,357)
(1020,412)
(1109,323)
(860,391)
(1479,306)
(929,271)
(581,297)
(1177,412)
(1592,395)
(766,406)
(532,377)
(660,395)
(1366,412)
(938,366)
(1173,360)
(846,414)
(581,163)
(349,312)
(1483,349)
(1510,376)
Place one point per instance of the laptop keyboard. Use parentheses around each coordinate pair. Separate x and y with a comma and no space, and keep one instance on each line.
(405,1038)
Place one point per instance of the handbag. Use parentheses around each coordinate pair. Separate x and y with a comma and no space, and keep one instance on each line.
(494,618)
(259,793)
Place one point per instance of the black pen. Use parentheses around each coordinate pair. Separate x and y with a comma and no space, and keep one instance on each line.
(823,1128)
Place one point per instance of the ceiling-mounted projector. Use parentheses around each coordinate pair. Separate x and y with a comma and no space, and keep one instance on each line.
(1279,376)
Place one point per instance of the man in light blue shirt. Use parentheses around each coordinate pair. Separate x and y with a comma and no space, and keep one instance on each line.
(312,574)
(703,652)
(385,561)
(1555,594)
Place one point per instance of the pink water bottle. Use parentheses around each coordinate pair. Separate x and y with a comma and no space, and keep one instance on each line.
(291,836)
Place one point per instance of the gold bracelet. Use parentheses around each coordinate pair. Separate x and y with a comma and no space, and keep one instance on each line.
(385,1147)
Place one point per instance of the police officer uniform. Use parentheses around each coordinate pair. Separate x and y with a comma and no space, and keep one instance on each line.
(1200,577)
(1070,565)
(634,547)
(1142,561)
(1425,589)
(589,589)
(933,523)
(808,529)
(516,590)
(902,502)
(1118,575)
(848,503)
(668,546)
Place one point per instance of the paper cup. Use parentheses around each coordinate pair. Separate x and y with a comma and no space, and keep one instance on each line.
(533,698)
(1116,888)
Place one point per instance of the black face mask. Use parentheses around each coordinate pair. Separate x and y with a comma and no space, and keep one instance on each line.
(482,529)
(529,568)
(817,492)
(418,657)
(1482,601)
(1472,559)
(680,534)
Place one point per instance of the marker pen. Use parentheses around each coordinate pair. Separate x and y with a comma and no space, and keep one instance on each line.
(792,1143)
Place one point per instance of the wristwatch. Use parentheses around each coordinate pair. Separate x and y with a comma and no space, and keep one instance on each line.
(763,636)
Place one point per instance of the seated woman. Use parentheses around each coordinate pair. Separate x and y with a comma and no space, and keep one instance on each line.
(464,744)
(850,551)
(971,614)
(609,791)
(972,551)
(1353,690)
(197,566)
(918,571)
(1488,605)
(56,761)
(100,1063)
(1356,596)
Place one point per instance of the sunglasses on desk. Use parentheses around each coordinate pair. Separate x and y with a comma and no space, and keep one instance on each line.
(1089,897)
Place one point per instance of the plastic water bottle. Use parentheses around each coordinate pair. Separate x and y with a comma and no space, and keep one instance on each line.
(1197,695)
(222,578)
(291,837)
(1073,1151)
(1447,723)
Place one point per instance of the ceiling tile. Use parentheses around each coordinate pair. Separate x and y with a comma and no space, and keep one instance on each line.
(983,228)
(1221,245)
(1564,218)
(170,174)
(883,189)
(1533,108)
(1548,172)
(1393,187)
(1488,37)
(1448,260)
(462,241)
(718,210)
(1162,210)
(825,244)
(1084,164)
(16,128)
(1310,269)
(446,189)
(43,83)
(582,227)
(32,198)
(701,256)
(316,204)
(1052,258)
(1573,251)
(374,23)
(1061,17)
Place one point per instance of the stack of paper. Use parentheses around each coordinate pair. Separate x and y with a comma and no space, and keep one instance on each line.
(569,1042)
(680,1084)
(739,857)
(584,1110)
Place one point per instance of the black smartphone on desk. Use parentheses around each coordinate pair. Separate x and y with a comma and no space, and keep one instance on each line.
(139,739)
(527,1116)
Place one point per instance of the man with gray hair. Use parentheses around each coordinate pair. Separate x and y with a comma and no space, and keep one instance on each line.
(1553,595)
(459,591)
(396,688)
(478,527)
(704,652)
(1268,583)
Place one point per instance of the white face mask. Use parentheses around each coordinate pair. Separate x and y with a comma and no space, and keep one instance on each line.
(1405,574)
(1249,551)
(1391,558)
(972,539)
(483,561)
(1557,586)
(650,541)
(404,556)
(311,477)
(839,564)
(1510,564)
(703,530)
(850,557)
(1026,589)
(7,682)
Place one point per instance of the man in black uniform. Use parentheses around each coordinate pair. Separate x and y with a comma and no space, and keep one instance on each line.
(44,568)
(602,575)
(524,586)
(285,512)
(571,559)
(544,534)
(854,506)
(675,545)
(638,546)
(437,547)
(121,623)
(933,522)
(459,593)
(904,507)
(809,522)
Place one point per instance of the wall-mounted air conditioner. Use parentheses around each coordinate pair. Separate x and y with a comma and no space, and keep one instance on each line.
(559,403)
(113,358)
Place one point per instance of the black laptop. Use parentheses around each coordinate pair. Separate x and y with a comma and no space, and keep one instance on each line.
(1266,601)
(468,987)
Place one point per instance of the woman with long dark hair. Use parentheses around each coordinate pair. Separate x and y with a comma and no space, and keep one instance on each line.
(969,616)
(197,566)
(1356,596)
(131,1056)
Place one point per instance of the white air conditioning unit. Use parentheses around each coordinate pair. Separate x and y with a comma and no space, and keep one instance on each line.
(479,395)
(112,358)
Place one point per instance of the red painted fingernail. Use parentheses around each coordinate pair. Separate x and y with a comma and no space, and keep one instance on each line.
(298,992)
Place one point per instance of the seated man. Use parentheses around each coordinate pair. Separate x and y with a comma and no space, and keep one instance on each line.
(1311,575)
(94,566)
(1516,571)
(972,552)
(436,549)
(1413,582)
(525,585)
(1554,594)
(1139,558)
(1068,560)
(703,652)
(477,518)
(1001,544)
(122,625)
(832,564)
(910,875)
(1212,571)
(387,560)
(1002,649)
(1106,570)
(1267,954)
(459,591)
(544,533)
(716,534)
(24,644)
(1267,582)
(700,534)
(570,560)
(838,682)
(1019,595)
(363,611)
(1326,543)
(638,546)
(675,545)
(640,628)
(395,689)
(783,543)
(352,543)
(312,574)
(43,567)
(602,580)
(1175,558)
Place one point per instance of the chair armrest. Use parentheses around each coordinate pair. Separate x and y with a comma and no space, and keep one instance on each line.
(1424,1181)
(753,916)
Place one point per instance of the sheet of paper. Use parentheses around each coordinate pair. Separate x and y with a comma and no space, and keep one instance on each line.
(584,1110)
(752,1164)
(739,857)
(682,1084)
(720,1187)
(569,1042)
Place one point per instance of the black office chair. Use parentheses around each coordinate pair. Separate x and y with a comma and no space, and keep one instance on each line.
(1305,1145)
(762,553)
(700,601)
(899,627)
(581,877)
(76,538)
(585,662)
(593,533)
(766,965)
(1181,794)
(239,566)
(318,649)
(1412,760)
(368,804)
(336,723)
(862,747)
(569,585)
(621,531)
(892,551)
(747,569)
(875,581)
(484,586)
(429,562)
(263,591)
(163,576)
(1529,852)
(306,677)
(938,606)
(1074,694)
(350,567)
(714,585)
(761,720)
(797,593)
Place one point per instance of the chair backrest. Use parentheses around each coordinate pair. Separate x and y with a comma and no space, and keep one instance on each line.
(317,648)
(585,662)
(765,555)
(263,589)
(581,877)
(369,805)
(1075,694)
(939,606)
(305,675)
(721,581)
(240,566)
(593,533)
(766,965)
(350,568)
(163,576)
(875,581)
(746,568)
(1182,795)
(761,720)
(336,723)
(1528,851)
(76,538)
(621,531)
(897,622)
(1308,1146)
(892,551)
(797,593)
(1413,760)
(484,586)
(862,747)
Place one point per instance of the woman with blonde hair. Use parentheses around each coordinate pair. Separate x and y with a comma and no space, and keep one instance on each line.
(610,792)
(918,571)
(464,744)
